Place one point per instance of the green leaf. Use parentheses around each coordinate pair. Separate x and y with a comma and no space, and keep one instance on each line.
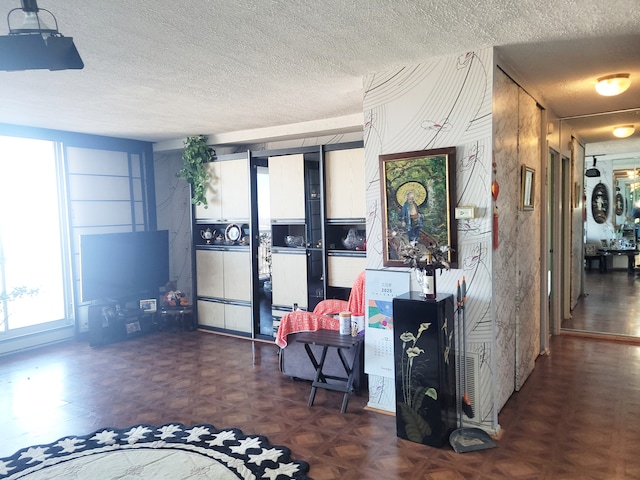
(415,426)
(196,154)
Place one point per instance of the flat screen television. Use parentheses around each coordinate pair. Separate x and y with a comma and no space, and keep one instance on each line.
(115,266)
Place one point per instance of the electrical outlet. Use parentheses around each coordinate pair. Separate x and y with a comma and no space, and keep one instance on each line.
(463,213)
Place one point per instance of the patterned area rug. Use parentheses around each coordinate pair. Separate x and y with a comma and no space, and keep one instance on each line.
(171,451)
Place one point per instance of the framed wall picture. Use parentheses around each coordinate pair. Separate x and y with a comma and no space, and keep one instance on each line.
(528,187)
(600,203)
(418,201)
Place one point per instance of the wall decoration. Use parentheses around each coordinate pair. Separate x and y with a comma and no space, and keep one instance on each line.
(619,204)
(382,287)
(600,203)
(528,187)
(418,198)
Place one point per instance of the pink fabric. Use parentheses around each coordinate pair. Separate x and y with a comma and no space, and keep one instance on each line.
(356,297)
(320,318)
(300,321)
(331,306)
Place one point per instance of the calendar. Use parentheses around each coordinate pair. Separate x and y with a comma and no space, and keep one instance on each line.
(381,287)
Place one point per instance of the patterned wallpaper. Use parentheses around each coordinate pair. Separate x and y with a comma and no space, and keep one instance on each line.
(445,102)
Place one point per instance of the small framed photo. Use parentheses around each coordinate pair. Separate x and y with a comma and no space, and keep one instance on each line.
(604,243)
(149,305)
(133,327)
(528,187)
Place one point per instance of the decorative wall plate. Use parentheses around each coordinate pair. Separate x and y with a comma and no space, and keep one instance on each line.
(600,203)
(619,204)
(232,233)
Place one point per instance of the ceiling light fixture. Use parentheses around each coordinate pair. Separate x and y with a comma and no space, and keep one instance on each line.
(624,131)
(611,85)
(34,45)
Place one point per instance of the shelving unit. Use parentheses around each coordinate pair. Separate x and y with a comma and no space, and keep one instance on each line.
(308,255)
(345,224)
(223,263)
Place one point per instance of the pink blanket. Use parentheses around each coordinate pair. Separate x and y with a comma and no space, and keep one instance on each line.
(321,318)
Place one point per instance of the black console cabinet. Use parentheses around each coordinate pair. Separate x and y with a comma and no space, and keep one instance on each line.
(425,368)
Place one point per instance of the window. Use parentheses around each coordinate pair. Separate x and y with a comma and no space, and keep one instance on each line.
(32,283)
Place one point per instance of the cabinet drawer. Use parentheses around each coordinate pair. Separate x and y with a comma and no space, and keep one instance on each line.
(211,314)
(237,318)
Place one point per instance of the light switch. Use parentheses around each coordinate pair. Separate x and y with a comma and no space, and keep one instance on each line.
(463,213)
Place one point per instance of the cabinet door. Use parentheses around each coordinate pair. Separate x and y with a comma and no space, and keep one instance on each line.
(289,279)
(344,270)
(210,314)
(237,275)
(227,192)
(234,177)
(238,318)
(345,183)
(209,273)
(286,186)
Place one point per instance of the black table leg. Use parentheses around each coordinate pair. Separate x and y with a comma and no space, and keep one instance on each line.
(319,378)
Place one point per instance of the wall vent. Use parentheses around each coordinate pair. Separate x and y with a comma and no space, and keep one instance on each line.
(473,388)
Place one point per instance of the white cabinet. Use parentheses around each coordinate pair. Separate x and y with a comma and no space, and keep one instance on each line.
(289,277)
(224,316)
(224,276)
(286,186)
(228,198)
(345,184)
(345,228)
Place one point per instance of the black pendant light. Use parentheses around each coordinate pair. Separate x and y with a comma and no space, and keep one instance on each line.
(593,171)
(34,45)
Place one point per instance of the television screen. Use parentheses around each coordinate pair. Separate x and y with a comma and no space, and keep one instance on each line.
(123,265)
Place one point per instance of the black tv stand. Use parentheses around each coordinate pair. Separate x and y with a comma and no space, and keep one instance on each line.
(108,324)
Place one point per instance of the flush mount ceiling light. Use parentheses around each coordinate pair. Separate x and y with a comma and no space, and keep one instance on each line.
(32,44)
(613,84)
(624,131)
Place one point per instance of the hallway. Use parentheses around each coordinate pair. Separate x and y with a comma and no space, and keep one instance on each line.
(611,305)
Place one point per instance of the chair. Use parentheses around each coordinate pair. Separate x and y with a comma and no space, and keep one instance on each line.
(294,361)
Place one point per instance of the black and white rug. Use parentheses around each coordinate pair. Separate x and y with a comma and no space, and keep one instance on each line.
(172,451)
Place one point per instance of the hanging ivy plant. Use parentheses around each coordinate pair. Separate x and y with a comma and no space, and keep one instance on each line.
(196,154)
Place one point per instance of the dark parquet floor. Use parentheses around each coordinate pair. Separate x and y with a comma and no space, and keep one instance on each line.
(610,305)
(577,416)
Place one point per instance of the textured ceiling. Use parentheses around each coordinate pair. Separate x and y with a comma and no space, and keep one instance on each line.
(162,70)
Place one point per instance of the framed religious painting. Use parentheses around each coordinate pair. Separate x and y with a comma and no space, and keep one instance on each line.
(418,202)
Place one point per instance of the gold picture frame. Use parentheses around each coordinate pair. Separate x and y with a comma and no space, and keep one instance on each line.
(528,188)
(427,176)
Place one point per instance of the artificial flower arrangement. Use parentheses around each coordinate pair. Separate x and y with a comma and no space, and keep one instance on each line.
(421,257)
(174,297)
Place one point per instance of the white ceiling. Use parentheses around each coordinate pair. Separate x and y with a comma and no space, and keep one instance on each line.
(160,70)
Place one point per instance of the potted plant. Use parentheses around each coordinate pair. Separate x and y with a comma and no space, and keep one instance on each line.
(196,154)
